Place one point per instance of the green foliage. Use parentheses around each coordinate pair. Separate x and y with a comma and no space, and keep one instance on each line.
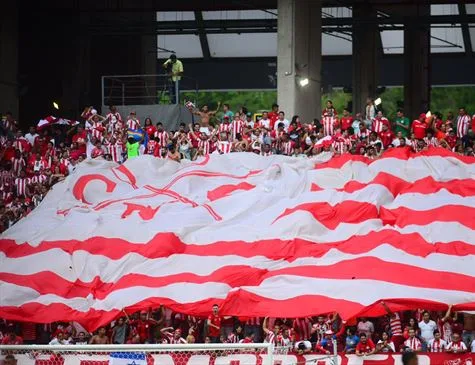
(443,99)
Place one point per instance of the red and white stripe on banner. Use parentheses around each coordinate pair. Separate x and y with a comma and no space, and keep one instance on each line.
(410,215)
(49,120)
(187,358)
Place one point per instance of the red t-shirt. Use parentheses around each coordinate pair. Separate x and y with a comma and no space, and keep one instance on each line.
(386,137)
(419,129)
(9,154)
(346,123)
(81,139)
(365,347)
(17,341)
(143,328)
(150,129)
(273,118)
(216,320)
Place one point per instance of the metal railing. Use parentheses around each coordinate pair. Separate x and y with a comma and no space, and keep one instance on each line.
(144,89)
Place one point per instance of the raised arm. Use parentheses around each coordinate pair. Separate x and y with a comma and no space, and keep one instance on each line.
(166,330)
(264,326)
(217,109)
(386,308)
(447,315)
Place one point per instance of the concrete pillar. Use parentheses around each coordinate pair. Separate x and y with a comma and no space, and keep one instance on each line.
(416,61)
(366,42)
(299,41)
(9,57)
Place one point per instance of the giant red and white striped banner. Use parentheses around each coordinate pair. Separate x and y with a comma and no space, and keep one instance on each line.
(276,236)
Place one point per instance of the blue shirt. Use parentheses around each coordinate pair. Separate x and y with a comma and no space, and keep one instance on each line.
(351,342)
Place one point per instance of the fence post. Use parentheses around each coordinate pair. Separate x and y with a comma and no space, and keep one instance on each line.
(177,96)
(270,354)
(335,352)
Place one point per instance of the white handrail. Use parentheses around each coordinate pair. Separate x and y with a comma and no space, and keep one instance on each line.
(139,347)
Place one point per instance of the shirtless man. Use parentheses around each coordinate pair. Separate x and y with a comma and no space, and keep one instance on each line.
(205,114)
(100,338)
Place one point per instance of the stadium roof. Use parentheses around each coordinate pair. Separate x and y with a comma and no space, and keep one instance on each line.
(252,33)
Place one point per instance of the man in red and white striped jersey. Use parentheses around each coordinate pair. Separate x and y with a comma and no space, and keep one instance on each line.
(162,135)
(270,335)
(115,148)
(21,143)
(319,328)
(237,126)
(204,145)
(266,150)
(413,343)
(330,124)
(462,123)
(396,327)
(378,121)
(341,142)
(430,140)
(132,121)
(225,126)
(277,137)
(173,337)
(224,147)
(437,344)
(113,116)
(363,132)
(236,335)
(287,145)
(18,163)
(456,346)
(21,184)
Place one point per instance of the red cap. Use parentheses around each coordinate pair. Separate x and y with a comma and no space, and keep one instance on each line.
(143,312)
(422,115)
(226,117)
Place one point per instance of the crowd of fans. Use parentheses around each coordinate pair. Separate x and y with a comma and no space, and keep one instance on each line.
(418,331)
(31,163)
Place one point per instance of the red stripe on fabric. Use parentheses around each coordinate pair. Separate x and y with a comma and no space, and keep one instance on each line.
(225,190)
(315,187)
(332,216)
(338,162)
(203,173)
(166,244)
(298,306)
(398,186)
(403,216)
(244,275)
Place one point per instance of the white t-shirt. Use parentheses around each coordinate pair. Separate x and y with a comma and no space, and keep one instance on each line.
(31,138)
(366,327)
(472,346)
(55,341)
(386,349)
(286,124)
(427,330)
(265,123)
